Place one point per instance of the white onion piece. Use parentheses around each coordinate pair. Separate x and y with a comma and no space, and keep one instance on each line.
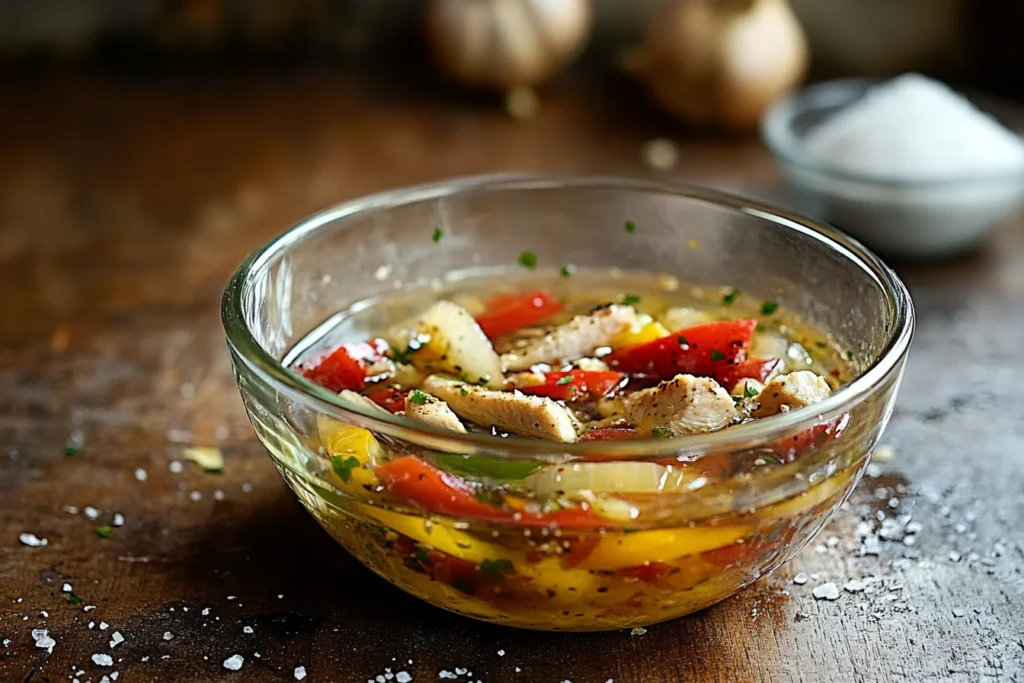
(609,477)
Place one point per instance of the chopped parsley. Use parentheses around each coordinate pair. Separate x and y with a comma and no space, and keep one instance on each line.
(483,467)
(760,328)
(660,432)
(682,340)
(749,390)
(75,600)
(630,227)
(496,569)
(438,234)
(104,531)
(849,355)
(565,380)
(717,355)
(528,260)
(417,397)
(464,391)
(729,298)
(631,299)
(769,307)
(343,466)
(568,270)
(70,451)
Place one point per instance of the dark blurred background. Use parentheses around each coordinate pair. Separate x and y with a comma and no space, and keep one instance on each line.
(974,42)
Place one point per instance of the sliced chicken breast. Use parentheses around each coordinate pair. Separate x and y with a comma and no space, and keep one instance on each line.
(682,405)
(791,391)
(433,411)
(578,337)
(514,412)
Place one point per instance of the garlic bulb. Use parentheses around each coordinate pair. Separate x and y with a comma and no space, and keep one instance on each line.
(722,62)
(506,43)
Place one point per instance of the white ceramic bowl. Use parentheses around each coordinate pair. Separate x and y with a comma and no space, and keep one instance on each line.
(920,219)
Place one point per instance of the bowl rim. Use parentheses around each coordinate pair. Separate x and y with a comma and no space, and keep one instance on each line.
(787,148)
(739,437)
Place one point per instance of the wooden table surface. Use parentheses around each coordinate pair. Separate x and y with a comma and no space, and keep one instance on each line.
(125,203)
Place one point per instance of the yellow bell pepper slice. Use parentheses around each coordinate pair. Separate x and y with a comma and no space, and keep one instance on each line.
(343,442)
(619,551)
(435,535)
(647,329)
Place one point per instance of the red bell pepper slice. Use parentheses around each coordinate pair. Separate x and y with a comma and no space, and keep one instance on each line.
(507,313)
(414,481)
(700,350)
(652,572)
(790,448)
(390,399)
(345,366)
(752,368)
(575,385)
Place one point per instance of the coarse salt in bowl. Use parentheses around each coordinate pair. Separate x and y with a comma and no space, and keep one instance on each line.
(909,166)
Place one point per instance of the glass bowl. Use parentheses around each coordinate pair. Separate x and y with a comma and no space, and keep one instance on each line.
(677,553)
(908,218)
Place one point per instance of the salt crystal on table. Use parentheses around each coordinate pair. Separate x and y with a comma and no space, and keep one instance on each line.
(66,588)
(234,662)
(116,639)
(247,629)
(914,128)
(403,677)
(118,519)
(176,467)
(300,673)
(168,635)
(42,638)
(104,626)
(141,474)
(826,591)
(31,540)
(102,660)
(90,512)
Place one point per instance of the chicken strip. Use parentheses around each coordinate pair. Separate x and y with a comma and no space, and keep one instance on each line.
(433,411)
(682,405)
(514,412)
(788,392)
(578,337)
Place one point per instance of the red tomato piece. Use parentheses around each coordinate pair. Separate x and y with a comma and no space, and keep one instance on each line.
(791,447)
(507,313)
(652,572)
(575,385)
(390,399)
(752,368)
(700,350)
(345,366)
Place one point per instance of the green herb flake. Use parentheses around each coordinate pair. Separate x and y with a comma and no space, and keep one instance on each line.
(104,531)
(820,344)
(717,355)
(769,307)
(565,380)
(496,569)
(849,356)
(568,270)
(770,459)
(660,432)
(631,299)
(421,555)
(682,340)
(417,397)
(75,600)
(630,227)
(729,298)
(477,467)
(70,451)
(528,260)
(343,466)
(438,235)
(760,328)
(749,390)
(464,391)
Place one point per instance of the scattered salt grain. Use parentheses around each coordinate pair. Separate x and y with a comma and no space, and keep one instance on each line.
(206,611)
(102,660)
(660,154)
(168,635)
(446,674)
(247,629)
(832,541)
(218,494)
(141,474)
(403,677)
(800,579)
(71,509)
(246,487)
(90,512)
(638,631)
(855,586)
(31,540)
(44,614)
(116,639)
(42,638)
(501,653)
(104,626)
(196,496)
(118,519)
(91,624)
(300,673)
(826,591)
(66,588)
(179,435)
(234,662)
(176,467)
(959,612)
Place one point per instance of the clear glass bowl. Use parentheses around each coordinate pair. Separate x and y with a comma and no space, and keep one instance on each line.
(685,550)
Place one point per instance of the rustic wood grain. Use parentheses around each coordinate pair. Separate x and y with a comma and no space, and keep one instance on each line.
(124,206)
